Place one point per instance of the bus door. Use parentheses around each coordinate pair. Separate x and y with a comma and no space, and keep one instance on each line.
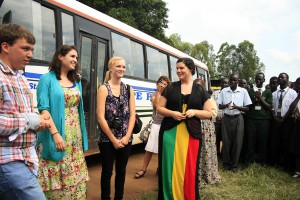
(93,58)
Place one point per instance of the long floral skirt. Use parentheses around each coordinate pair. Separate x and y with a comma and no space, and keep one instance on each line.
(66,179)
(208,172)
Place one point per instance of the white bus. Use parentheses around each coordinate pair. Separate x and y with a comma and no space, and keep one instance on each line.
(98,37)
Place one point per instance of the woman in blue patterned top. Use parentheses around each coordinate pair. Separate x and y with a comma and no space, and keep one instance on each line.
(116,116)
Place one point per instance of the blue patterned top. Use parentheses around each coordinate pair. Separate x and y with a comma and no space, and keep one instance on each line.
(116,108)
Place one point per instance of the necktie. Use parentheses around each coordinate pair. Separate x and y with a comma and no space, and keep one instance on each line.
(280,103)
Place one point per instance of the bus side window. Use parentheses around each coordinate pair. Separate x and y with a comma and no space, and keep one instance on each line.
(174,76)
(67,29)
(132,52)
(157,64)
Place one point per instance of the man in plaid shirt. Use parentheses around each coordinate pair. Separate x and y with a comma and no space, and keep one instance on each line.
(219,119)
(18,122)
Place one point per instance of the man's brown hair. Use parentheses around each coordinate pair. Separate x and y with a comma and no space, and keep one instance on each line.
(9,33)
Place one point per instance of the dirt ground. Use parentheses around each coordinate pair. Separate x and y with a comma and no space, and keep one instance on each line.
(134,188)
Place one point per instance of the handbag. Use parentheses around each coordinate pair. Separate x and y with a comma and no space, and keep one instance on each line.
(138,122)
(144,134)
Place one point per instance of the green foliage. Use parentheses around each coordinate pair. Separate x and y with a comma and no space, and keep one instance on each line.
(149,16)
(241,59)
(254,182)
(251,183)
(202,51)
(175,41)
(229,59)
(149,195)
(205,52)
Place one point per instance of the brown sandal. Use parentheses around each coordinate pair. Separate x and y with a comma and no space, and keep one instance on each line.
(139,174)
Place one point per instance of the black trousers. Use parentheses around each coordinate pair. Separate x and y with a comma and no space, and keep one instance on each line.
(108,155)
(232,136)
(257,135)
(280,143)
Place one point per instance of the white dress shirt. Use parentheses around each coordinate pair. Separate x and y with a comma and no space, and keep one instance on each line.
(239,97)
(289,95)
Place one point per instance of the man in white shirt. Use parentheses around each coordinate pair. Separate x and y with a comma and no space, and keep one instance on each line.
(233,100)
(281,129)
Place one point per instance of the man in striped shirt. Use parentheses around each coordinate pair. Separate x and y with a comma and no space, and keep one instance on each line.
(219,119)
(18,122)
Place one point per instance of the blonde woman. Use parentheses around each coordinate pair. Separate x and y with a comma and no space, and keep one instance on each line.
(116,116)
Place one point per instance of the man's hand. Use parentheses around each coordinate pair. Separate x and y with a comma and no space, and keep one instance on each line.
(45,122)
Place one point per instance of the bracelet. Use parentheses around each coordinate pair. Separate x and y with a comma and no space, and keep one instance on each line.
(54,133)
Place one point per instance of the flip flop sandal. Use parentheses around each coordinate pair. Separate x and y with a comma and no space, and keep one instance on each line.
(139,174)
(297,175)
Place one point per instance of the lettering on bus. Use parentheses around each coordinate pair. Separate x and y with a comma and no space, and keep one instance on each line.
(139,96)
(33,86)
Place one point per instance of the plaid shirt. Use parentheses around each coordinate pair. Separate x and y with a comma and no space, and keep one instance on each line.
(16,98)
(215,96)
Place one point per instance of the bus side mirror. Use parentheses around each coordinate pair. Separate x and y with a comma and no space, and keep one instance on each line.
(7,18)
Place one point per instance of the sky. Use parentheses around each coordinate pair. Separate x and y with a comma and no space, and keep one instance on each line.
(273,26)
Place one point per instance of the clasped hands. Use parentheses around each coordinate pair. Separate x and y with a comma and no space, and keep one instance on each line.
(232,106)
(178,116)
(119,144)
(257,95)
(45,122)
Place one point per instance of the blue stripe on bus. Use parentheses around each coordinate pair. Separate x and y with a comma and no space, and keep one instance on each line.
(32,75)
(143,88)
(136,88)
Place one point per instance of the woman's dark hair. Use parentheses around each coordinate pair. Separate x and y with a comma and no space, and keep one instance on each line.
(188,62)
(200,81)
(56,64)
(163,78)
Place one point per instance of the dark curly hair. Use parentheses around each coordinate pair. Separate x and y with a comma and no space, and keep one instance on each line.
(56,64)
(188,62)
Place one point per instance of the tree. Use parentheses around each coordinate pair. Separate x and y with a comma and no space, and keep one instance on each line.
(241,59)
(202,51)
(148,16)
(227,59)
(174,40)
(205,53)
(250,64)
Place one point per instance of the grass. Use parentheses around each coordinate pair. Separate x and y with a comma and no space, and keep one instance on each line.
(251,183)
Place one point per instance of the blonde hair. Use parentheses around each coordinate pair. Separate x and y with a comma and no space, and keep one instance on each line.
(110,64)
